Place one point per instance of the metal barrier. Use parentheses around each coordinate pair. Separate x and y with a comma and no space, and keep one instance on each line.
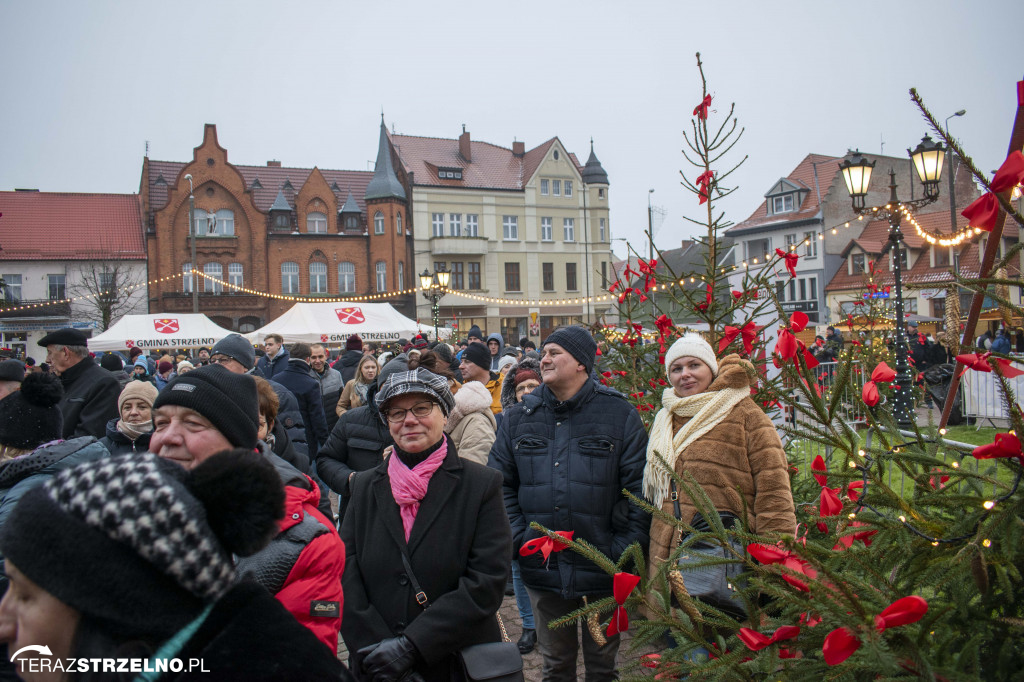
(982,398)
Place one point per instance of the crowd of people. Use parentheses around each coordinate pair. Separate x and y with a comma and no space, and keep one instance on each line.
(201,487)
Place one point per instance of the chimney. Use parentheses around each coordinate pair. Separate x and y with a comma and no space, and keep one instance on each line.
(464,150)
(518,149)
(687,243)
(273,164)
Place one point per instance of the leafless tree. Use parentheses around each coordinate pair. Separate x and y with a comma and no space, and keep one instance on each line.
(108,290)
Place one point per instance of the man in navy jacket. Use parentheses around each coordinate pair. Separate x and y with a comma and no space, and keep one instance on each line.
(295,377)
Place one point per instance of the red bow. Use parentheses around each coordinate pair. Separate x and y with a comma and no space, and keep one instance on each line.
(708,296)
(615,285)
(787,344)
(647,270)
(701,110)
(791,260)
(940,483)
(982,213)
(756,641)
(847,541)
(1005,445)
(830,503)
(704,183)
(979,362)
(841,643)
(883,373)
(664,324)
(546,545)
(773,555)
(622,585)
(748,331)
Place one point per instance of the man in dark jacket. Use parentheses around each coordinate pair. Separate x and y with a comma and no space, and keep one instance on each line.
(330,382)
(90,392)
(566,452)
(276,358)
(306,389)
(347,362)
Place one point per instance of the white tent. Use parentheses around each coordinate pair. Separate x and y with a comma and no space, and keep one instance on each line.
(335,322)
(159,331)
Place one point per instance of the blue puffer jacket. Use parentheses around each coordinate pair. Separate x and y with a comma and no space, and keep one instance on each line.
(564,465)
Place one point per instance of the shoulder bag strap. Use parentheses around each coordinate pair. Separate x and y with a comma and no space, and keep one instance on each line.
(421,596)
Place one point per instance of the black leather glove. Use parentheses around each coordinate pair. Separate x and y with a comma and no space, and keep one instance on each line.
(389,660)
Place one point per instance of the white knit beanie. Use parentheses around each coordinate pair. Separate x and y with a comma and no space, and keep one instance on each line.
(692,345)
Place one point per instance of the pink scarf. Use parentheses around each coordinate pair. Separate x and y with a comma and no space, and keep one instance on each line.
(408,486)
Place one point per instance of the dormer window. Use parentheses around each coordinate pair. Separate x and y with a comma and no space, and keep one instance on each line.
(782,204)
(449,173)
(858,264)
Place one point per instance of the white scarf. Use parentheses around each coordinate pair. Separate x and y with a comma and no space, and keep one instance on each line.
(706,411)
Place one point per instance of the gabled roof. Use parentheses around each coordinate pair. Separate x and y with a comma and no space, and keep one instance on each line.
(350,204)
(801,176)
(70,226)
(786,185)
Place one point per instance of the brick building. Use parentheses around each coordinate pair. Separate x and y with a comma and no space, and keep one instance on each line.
(294,233)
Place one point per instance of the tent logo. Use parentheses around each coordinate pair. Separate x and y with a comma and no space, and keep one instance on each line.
(129,343)
(166,325)
(350,315)
(323,338)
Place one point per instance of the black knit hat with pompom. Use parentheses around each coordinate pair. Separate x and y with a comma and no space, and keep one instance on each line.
(29,417)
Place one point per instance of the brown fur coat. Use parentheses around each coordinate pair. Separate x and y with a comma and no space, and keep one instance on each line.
(742,452)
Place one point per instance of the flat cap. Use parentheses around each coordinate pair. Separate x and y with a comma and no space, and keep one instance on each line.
(12,370)
(64,337)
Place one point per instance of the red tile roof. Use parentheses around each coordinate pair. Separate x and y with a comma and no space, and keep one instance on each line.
(70,226)
(271,179)
(803,175)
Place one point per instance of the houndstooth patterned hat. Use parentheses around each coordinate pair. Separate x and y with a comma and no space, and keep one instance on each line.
(417,380)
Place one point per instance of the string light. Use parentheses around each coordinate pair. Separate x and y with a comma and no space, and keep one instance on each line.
(986,543)
(83,297)
(304,299)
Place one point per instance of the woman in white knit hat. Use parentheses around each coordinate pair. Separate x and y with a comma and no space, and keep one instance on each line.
(710,428)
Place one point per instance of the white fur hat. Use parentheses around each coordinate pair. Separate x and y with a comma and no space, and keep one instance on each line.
(692,345)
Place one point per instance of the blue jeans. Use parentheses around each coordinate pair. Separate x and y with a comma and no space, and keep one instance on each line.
(522,598)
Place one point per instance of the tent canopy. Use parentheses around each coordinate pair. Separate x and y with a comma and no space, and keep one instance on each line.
(162,330)
(334,322)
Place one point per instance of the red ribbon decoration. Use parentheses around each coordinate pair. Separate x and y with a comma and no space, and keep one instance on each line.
(979,362)
(1006,445)
(846,542)
(708,296)
(546,545)
(839,645)
(791,260)
(982,213)
(615,285)
(704,185)
(767,554)
(701,110)
(756,641)
(882,373)
(830,504)
(787,344)
(622,585)
(748,332)
(647,269)
(1010,174)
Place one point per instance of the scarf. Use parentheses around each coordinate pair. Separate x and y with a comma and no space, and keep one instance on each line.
(706,411)
(361,390)
(409,486)
(133,431)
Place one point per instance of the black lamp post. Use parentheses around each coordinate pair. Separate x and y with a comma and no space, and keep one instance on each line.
(927,158)
(433,286)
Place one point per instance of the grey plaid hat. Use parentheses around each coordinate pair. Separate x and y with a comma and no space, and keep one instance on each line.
(418,380)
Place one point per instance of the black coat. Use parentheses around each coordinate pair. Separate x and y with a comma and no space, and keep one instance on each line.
(459,550)
(564,465)
(269,368)
(295,377)
(284,449)
(347,363)
(90,400)
(119,444)
(289,414)
(355,444)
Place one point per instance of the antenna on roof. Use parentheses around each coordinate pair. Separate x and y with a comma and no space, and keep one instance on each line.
(147,149)
(463,127)
(881,141)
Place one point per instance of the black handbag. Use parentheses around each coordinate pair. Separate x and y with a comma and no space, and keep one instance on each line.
(713,584)
(491,661)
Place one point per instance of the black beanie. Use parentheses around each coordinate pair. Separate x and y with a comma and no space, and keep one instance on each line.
(227,399)
(478,354)
(30,417)
(475,331)
(578,342)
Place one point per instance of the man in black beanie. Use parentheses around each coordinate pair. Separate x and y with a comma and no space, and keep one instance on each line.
(476,366)
(566,452)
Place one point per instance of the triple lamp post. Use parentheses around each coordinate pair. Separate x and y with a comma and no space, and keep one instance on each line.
(433,286)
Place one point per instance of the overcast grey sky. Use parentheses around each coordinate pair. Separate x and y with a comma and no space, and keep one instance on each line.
(87,83)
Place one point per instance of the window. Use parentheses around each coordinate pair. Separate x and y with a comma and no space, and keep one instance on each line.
(378,223)
(570,277)
(318,278)
(941,255)
(439,265)
(55,287)
(437,221)
(510,228)
(568,188)
(782,204)
(401,275)
(600,193)
(547,281)
(12,290)
(512,277)
(474,276)
(803,289)
(545,229)
(235,274)
(316,223)
(780,291)
(812,288)
(282,221)
(472,229)
(810,245)
(225,222)
(351,222)
(457,280)
(186,280)
(455,224)
(213,270)
(289,278)
(569,229)
(398,224)
(602,230)
(449,173)
(382,276)
(903,260)
(346,277)
(857,262)
(556,188)
(757,248)
(790,242)
(543,188)
(792,290)
(604,274)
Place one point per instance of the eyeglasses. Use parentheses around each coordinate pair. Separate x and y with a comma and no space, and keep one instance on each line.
(419,410)
(220,359)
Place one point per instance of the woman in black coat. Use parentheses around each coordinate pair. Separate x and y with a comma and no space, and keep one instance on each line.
(456,538)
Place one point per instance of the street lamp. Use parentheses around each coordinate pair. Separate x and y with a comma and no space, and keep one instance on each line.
(927,159)
(650,226)
(952,190)
(192,238)
(433,286)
